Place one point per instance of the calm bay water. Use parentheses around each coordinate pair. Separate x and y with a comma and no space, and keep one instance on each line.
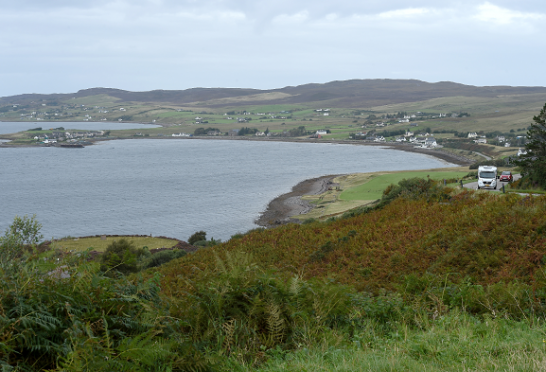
(171,187)
(7,127)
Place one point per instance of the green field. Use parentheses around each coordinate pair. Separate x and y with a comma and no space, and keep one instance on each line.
(373,189)
(99,245)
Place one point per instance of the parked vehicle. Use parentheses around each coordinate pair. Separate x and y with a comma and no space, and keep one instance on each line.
(506,176)
(487,177)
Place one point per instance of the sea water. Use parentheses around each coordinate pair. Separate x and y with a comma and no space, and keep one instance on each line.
(171,187)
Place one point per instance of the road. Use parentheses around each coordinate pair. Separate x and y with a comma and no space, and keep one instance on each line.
(485,156)
(474,185)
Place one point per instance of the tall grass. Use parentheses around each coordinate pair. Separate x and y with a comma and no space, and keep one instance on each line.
(456,342)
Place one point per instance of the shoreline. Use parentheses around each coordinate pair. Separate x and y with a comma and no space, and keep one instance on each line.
(280,210)
(438,153)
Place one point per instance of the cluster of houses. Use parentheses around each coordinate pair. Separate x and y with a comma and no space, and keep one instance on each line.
(482,139)
(476,138)
(58,136)
(324,112)
(420,141)
(423,140)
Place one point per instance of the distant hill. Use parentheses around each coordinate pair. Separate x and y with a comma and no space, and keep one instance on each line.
(349,93)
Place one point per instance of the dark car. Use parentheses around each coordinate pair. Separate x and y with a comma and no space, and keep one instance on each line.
(506,176)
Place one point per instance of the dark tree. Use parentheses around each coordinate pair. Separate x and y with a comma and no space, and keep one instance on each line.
(197,237)
(533,163)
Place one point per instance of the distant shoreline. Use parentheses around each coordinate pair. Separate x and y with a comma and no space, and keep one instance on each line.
(446,156)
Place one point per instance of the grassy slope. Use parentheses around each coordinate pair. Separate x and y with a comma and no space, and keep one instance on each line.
(453,343)
(491,245)
(489,238)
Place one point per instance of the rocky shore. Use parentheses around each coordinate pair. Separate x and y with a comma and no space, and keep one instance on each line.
(282,208)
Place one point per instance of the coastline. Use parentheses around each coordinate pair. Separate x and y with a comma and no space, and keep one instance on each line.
(284,208)
(438,153)
(281,209)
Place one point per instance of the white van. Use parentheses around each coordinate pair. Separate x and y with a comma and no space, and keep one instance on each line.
(487,177)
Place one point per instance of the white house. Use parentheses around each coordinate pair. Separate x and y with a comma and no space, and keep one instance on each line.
(480,140)
(472,135)
(321,132)
(431,142)
(521,152)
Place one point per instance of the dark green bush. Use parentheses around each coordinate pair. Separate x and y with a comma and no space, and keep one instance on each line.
(122,256)
(197,236)
(163,257)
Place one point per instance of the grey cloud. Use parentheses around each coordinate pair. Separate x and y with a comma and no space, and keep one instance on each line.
(66,45)
(271,8)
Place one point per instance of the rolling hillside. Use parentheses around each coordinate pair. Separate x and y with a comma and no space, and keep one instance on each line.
(347,94)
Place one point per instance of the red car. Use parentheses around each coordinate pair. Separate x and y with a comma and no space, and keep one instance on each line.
(506,176)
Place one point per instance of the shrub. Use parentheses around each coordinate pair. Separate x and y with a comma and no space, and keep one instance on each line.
(197,237)
(26,230)
(309,220)
(121,255)
(160,258)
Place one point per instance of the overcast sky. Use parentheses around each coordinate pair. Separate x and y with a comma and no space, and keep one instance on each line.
(62,46)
